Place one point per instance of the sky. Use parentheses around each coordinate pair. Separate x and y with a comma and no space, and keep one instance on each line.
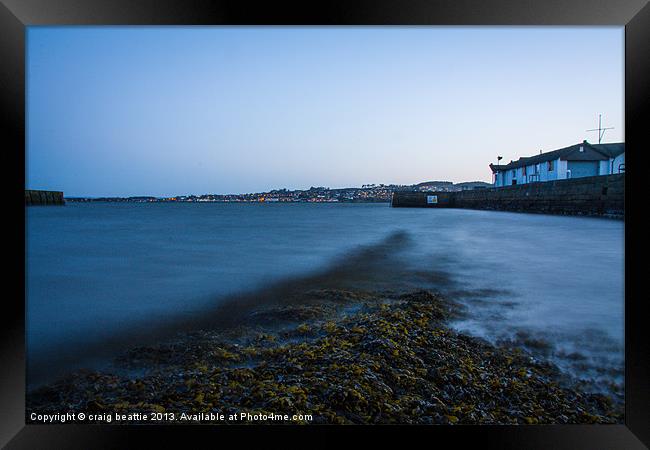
(121,111)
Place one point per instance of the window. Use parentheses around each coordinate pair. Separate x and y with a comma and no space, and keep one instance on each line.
(523,171)
(549,166)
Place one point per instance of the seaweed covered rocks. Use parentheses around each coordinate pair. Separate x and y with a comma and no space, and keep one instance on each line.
(340,357)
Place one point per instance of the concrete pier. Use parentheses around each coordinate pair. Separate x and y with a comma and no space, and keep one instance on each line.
(602,196)
(33,197)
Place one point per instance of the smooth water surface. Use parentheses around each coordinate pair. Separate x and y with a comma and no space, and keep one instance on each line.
(100,269)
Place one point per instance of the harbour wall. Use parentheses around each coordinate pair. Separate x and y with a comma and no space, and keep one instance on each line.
(43,197)
(602,196)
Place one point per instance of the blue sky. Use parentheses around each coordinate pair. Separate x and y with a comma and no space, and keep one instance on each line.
(193,110)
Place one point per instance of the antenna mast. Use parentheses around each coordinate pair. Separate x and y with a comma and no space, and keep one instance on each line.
(600,129)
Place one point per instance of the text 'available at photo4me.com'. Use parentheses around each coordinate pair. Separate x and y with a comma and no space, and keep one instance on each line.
(167,417)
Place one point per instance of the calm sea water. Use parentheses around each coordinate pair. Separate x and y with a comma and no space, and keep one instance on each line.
(96,271)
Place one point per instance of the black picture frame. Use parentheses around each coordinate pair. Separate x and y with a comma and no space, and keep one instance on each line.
(16,15)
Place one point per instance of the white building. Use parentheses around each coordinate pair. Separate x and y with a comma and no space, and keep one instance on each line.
(579,160)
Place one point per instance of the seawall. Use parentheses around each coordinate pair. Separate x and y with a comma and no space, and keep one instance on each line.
(602,196)
(43,197)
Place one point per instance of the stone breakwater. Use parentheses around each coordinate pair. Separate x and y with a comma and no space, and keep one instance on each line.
(341,357)
(43,198)
(602,196)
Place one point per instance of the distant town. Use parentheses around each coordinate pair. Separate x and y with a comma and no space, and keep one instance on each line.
(366,193)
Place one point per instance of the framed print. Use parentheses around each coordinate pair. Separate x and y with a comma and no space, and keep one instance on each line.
(344,217)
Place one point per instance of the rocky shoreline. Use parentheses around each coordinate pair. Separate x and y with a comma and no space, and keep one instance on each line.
(341,357)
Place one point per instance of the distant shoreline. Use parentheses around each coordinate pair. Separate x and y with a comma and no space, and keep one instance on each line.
(368,193)
(116,200)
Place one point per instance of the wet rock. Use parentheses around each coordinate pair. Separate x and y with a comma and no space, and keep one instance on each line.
(389,359)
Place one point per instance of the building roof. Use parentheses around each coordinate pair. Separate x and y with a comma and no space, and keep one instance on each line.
(611,150)
(497,167)
(583,151)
